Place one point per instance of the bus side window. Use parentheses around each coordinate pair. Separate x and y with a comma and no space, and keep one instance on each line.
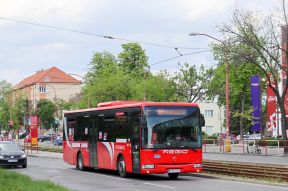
(71,128)
(108,128)
(82,124)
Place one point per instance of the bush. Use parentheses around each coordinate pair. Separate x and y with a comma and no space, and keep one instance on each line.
(270,142)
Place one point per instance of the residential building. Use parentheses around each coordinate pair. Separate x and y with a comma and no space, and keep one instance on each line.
(51,84)
(214,117)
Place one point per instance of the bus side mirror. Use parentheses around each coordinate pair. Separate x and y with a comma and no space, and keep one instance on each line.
(202,120)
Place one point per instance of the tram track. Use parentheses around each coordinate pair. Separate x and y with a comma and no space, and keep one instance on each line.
(251,170)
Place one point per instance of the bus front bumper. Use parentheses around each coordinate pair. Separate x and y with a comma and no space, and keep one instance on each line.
(169,168)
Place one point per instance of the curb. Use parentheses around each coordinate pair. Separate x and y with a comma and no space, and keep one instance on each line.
(239,179)
(37,156)
(241,154)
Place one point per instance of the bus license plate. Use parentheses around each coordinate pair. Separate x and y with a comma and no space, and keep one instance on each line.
(13,160)
(174,171)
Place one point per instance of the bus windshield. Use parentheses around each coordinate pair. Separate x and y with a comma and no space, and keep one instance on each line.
(172,127)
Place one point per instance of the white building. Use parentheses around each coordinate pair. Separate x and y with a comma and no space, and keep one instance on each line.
(214,117)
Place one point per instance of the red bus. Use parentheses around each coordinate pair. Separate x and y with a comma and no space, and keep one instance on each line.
(135,137)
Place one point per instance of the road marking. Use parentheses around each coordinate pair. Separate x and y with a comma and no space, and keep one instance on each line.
(107,176)
(159,185)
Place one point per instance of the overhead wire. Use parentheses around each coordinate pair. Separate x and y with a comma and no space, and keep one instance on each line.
(181,55)
(97,35)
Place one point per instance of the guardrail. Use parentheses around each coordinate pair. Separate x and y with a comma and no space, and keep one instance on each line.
(260,147)
(276,172)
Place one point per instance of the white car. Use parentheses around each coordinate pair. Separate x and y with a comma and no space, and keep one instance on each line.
(256,136)
(245,137)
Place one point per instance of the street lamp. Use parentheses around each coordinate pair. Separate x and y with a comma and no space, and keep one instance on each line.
(227,82)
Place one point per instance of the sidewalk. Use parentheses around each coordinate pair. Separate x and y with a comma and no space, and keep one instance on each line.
(246,158)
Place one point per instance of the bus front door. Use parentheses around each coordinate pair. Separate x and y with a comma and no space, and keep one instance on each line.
(93,132)
(135,141)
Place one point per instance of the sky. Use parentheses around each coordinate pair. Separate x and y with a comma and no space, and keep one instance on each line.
(25,49)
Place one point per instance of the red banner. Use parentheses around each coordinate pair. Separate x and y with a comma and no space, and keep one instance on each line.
(271,109)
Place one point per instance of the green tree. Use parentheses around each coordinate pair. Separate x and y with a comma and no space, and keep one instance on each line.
(99,63)
(158,87)
(5,87)
(128,79)
(239,73)
(4,114)
(191,83)
(110,84)
(261,34)
(45,110)
(102,66)
(133,60)
(19,111)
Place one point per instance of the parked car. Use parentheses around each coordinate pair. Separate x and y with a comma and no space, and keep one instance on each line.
(27,139)
(58,141)
(47,137)
(256,136)
(245,137)
(250,137)
(223,136)
(12,155)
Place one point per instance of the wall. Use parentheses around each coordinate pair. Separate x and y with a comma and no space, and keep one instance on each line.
(216,121)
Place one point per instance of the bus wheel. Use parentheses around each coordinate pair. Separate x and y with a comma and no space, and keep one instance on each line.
(122,167)
(80,165)
(173,175)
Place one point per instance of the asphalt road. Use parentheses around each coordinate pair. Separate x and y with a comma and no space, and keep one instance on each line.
(59,172)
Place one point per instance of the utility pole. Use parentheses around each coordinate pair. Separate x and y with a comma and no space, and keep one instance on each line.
(226,79)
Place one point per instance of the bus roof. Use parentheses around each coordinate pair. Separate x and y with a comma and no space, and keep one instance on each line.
(126,104)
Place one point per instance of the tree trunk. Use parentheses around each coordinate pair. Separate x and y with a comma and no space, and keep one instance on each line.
(242,118)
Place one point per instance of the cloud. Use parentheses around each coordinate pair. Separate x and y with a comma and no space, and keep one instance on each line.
(53,11)
(195,9)
(27,48)
(11,75)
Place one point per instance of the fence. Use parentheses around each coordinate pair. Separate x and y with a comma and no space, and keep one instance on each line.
(257,147)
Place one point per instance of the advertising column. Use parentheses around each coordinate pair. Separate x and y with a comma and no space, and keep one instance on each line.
(34,130)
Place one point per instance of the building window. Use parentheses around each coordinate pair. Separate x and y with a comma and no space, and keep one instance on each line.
(208,113)
(42,89)
(209,130)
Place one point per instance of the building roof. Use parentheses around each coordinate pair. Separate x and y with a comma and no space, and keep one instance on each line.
(51,75)
(128,104)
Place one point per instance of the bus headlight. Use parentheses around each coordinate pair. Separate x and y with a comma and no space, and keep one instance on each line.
(1,157)
(197,165)
(148,166)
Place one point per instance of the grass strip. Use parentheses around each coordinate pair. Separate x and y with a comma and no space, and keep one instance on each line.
(12,181)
